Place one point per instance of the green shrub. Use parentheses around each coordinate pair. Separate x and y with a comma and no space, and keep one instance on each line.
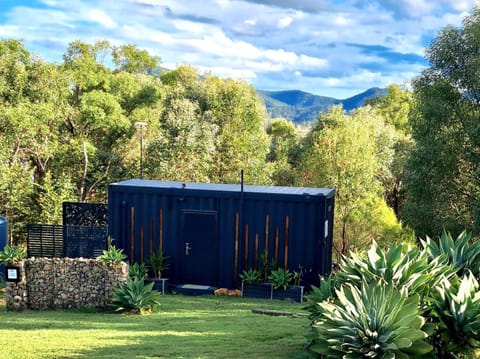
(158,262)
(112,255)
(456,313)
(461,253)
(251,276)
(135,296)
(280,278)
(376,321)
(11,254)
(137,271)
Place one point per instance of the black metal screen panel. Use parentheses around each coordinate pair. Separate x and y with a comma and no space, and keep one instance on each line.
(44,240)
(85,214)
(84,241)
(85,229)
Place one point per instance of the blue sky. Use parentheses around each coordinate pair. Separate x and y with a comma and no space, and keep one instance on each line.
(334,48)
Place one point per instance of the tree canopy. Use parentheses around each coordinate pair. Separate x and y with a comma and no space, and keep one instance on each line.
(443,169)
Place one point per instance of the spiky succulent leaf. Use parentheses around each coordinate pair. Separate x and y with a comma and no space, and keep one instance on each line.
(457,308)
(376,321)
(135,296)
(461,253)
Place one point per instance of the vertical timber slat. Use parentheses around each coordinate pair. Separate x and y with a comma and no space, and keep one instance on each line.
(285,254)
(235,258)
(132,235)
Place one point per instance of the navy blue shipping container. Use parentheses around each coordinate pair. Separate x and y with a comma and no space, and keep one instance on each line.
(212,232)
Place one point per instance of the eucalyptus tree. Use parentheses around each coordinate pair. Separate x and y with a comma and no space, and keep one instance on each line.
(228,119)
(241,141)
(443,170)
(396,107)
(104,105)
(283,142)
(352,153)
(32,101)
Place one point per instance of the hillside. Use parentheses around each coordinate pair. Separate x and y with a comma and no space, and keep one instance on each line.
(299,106)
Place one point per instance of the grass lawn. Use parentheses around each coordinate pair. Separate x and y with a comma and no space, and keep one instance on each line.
(185,327)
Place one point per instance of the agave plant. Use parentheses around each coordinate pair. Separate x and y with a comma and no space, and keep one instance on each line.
(376,321)
(322,293)
(461,253)
(135,296)
(408,269)
(457,309)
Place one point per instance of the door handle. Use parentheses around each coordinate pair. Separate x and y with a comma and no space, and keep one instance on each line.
(187,248)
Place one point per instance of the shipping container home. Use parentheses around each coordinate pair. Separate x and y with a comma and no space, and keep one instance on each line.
(212,232)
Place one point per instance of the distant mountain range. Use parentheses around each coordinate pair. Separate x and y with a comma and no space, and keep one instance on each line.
(299,106)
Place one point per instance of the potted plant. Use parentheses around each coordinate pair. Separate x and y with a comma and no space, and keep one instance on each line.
(12,257)
(12,254)
(158,262)
(252,285)
(281,280)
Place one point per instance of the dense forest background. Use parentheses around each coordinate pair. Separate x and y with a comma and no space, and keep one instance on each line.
(405,165)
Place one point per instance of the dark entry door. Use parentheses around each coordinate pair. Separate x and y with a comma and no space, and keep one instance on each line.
(200,247)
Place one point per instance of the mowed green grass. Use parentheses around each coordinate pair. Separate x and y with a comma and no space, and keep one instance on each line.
(185,327)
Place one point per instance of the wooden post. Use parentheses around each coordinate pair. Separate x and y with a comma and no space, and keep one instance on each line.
(142,240)
(256,251)
(132,235)
(267,223)
(235,257)
(246,248)
(276,245)
(150,238)
(285,254)
(160,229)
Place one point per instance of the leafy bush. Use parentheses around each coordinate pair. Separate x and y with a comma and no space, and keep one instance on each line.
(138,271)
(112,255)
(461,253)
(280,278)
(135,296)
(251,276)
(456,312)
(376,321)
(11,254)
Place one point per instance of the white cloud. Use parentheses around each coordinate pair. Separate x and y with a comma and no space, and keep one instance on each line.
(323,47)
(284,22)
(101,18)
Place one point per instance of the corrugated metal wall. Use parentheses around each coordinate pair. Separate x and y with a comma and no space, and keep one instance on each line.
(290,226)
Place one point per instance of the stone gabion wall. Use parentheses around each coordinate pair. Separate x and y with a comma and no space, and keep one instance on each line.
(65,283)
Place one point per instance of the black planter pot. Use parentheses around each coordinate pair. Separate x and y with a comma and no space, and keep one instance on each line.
(262,290)
(291,293)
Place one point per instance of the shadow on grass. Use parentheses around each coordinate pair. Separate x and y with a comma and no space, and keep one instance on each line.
(185,327)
